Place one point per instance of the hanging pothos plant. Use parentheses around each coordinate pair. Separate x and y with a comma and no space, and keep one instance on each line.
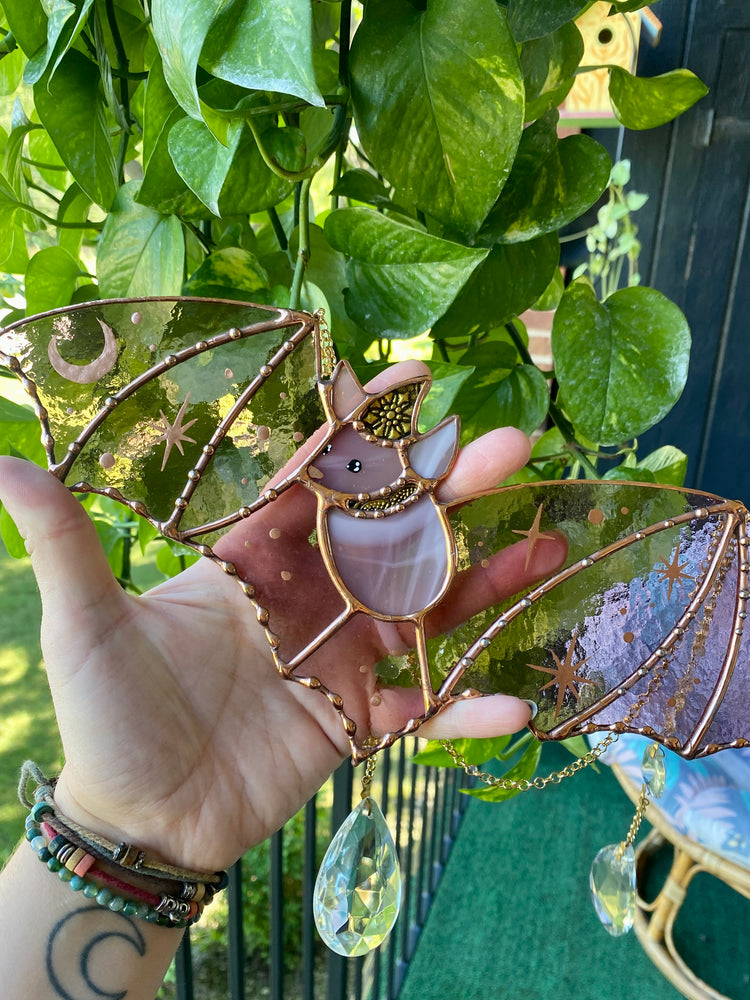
(398,164)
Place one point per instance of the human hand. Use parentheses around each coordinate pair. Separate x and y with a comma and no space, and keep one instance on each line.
(179,734)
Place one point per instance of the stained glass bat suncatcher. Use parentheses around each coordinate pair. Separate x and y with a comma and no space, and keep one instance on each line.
(199,414)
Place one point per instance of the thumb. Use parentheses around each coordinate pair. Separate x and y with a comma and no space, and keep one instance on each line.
(71,570)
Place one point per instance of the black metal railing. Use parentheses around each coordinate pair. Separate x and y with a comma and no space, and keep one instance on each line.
(424,807)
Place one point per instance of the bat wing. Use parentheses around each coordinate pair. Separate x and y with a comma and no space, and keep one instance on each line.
(182,409)
(641,631)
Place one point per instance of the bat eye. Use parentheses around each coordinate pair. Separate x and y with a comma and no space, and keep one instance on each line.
(355,465)
(324,451)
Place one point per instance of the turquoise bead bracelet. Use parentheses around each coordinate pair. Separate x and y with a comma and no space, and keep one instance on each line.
(167,913)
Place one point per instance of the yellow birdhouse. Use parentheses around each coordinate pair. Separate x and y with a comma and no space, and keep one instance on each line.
(608,41)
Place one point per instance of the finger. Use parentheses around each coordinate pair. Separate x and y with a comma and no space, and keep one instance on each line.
(485,463)
(71,569)
(506,573)
(478,718)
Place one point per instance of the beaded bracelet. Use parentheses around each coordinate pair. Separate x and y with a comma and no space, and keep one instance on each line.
(123,855)
(83,874)
(82,859)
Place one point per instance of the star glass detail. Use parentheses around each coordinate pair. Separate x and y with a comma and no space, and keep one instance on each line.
(174,434)
(533,534)
(672,571)
(565,676)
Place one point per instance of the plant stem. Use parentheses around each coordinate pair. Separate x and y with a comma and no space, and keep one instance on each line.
(513,749)
(55,222)
(303,252)
(278,229)
(345,31)
(123,67)
(555,413)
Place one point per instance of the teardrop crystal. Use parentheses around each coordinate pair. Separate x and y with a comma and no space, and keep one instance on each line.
(357,894)
(612,882)
(654,770)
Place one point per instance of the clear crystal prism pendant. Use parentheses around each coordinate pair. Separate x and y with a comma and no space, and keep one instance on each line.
(612,879)
(357,894)
(613,887)
(654,770)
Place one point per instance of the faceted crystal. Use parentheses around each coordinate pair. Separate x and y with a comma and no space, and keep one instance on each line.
(654,770)
(357,893)
(612,882)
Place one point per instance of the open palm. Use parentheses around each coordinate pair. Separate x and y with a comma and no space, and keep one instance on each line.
(177,729)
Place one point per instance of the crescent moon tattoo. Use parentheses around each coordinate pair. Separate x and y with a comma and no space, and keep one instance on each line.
(71,948)
(91,372)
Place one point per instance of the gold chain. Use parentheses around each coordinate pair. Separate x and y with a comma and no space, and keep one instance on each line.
(327,352)
(525,784)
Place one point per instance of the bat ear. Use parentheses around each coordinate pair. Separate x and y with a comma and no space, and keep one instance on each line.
(433,453)
(346,393)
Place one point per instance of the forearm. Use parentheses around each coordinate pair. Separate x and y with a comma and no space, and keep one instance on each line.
(55,944)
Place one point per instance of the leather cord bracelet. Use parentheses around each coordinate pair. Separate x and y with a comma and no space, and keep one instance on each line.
(119,876)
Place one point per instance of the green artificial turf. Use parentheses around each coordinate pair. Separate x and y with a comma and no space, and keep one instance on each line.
(512,919)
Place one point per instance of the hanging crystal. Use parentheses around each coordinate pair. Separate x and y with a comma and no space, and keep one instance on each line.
(654,770)
(612,882)
(357,894)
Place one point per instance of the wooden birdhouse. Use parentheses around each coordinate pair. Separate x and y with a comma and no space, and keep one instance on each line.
(608,41)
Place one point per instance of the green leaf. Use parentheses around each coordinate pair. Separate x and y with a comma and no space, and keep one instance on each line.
(668,464)
(232,179)
(74,207)
(50,279)
(534,18)
(8,206)
(11,536)
(171,561)
(476,751)
(524,770)
(72,111)
(630,473)
(18,258)
(550,297)
(28,22)
(180,28)
(327,269)
(438,101)
(230,273)
(501,393)
(361,185)
(163,188)
(11,71)
(141,252)
(61,33)
(447,380)
(646,102)
(20,432)
(625,6)
(549,64)
(506,283)
(621,364)
(400,279)
(264,45)
(551,185)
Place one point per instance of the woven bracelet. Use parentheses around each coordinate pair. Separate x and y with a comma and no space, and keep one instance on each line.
(79,851)
(84,873)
